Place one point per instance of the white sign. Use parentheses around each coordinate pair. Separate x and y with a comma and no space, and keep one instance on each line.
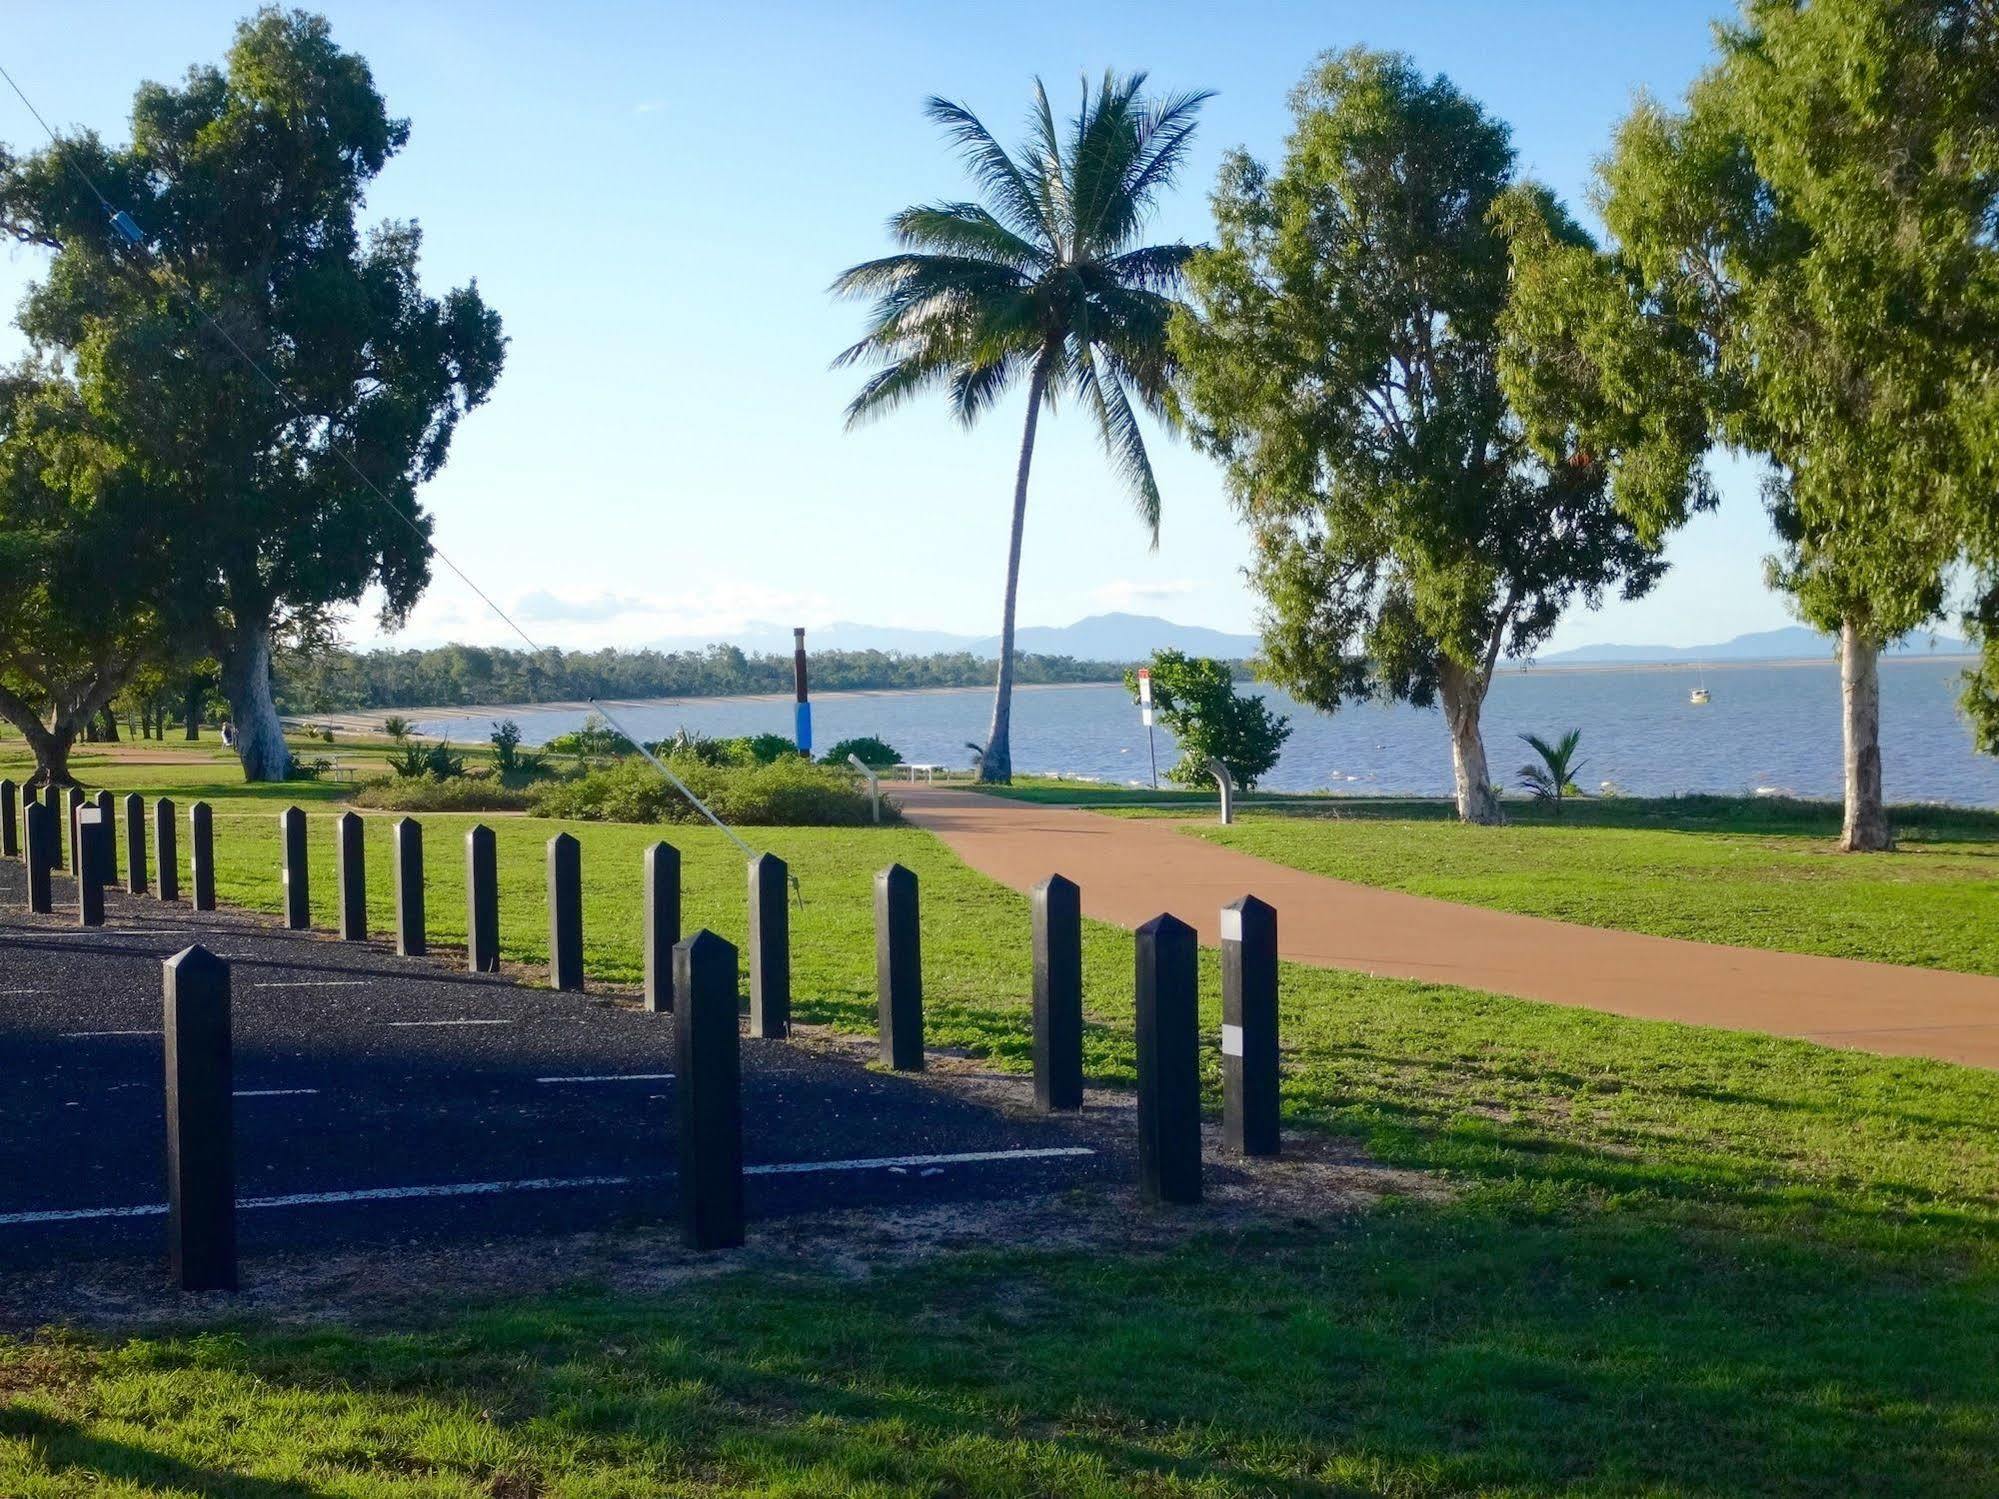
(1145,687)
(1231,1040)
(89,816)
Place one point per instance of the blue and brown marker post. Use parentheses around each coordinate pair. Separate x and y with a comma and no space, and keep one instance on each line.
(802,715)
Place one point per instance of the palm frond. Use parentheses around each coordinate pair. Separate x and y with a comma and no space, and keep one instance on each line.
(966,230)
(1050,178)
(998,175)
(1165,132)
(1118,430)
(1104,138)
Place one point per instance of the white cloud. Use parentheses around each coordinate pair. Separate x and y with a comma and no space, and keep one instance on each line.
(648,106)
(1131,593)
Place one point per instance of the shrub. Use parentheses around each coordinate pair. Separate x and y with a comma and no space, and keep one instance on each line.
(596,737)
(766,749)
(791,792)
(450,794)
(1196,699)
(506,738)
(396,727)
(438,761)
(870,751)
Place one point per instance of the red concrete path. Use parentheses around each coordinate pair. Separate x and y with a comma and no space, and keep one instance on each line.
(1130,870)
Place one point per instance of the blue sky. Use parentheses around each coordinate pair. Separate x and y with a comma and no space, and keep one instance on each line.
(655,198)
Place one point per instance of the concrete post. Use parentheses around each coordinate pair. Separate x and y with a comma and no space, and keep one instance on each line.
(411,938)
(298,887)
(107,808)
(482,901)
(899,969)
(770,947)
(135,843)
(565,912)
(39,848)
(91,837)
(350,872)
(708,1092)
(201,855)
(1169,1063)
(201,1170)
(1249,1027)
(661,929)
(1058,994)
(166,850)
(10,834)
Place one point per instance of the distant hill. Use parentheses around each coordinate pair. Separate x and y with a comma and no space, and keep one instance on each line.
(1100,637)
(1792,643)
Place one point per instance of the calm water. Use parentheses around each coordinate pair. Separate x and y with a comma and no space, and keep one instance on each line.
(1770,726)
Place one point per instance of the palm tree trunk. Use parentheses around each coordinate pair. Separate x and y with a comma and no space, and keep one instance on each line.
(996,764)
(1866,829)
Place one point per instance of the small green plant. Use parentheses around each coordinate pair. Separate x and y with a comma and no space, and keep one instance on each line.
(766,749)
(596,737)
(792,792)
(1555,777)
(875,753)
(428,794)
(506,740)
(1195,697)
(396,727)
(438,761)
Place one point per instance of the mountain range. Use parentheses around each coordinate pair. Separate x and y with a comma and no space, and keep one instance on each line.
(1791,643)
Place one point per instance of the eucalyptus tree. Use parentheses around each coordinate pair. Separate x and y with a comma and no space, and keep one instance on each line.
(275,369)
(1342,362)
(1803,266)
(1044,279)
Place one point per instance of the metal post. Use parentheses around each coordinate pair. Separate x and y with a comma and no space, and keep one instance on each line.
(565,912)
(1169,1065)
(770,948)
(166,850)
(411,939)
(40,850)
(201,1170)
(802,713)
(708,1092)
(10,836)
(482,901)
(874,785)
(135,843)
(1227,784)
(661,924)
(350,876)
(1249,1027)
(298,887)
(1058,994)
(899,969)
(91,836)
(201,856)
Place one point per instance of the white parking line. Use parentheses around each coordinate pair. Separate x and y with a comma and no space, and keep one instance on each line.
(27,991)
(613,1077)
(81,1035)
(541,1184)
(313,984)
(447,1022)
(274,1092)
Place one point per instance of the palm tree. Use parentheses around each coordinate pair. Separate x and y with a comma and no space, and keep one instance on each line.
(1555,777)
(1040,279)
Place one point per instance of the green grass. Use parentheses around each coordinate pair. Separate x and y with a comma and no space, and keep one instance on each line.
(1667,1261)
(1732,870)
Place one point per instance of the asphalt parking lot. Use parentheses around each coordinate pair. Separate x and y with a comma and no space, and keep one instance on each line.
(380,1100)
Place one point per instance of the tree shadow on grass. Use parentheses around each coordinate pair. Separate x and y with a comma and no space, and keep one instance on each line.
(66,1449)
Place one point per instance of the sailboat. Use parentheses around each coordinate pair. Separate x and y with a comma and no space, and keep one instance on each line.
(1699,696)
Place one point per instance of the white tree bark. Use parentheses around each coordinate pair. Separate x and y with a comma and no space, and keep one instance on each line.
(246,679)
(1463,693)
(1866,829)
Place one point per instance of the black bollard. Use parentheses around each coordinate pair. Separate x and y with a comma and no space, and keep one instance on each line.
(1169,1063)
(411,939)
(201,855)
(898,970)
(770,948)
(298,886)
(77,801)
(1249,1027)
(565,912)
(39,847)
(91,837)
(135,843)
(107,809)
(201,1171)
(662,924)
(350,873)
(166,850)
(10,834)
(482,901)
(708,1091)
(1058,994)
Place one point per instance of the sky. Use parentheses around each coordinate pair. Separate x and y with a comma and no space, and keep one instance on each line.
(655,198)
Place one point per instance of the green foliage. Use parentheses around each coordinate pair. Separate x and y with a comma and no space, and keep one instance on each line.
(399,729)
(875,753)
(1042,279)
(596,737)
(248,182)
(438,762)
(506,742)
(791,791)
(1342,361)
(1196,699)
(426,793)
(1555,777)
(763,749)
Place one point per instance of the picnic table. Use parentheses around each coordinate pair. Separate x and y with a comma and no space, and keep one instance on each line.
(910,770)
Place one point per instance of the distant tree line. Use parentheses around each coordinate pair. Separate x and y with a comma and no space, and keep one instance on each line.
(337,681)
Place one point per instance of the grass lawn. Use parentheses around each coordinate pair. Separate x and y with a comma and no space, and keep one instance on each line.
(1662,1260)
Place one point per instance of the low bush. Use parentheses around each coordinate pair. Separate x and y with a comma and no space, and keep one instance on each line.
(445,794)
(877,754)
(791,792)
(438,762)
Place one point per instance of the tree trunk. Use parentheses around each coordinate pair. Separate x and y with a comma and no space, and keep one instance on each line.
(197,691)
(1463,693)
(1866,829)
(107,726)
(246,681)
(996,764)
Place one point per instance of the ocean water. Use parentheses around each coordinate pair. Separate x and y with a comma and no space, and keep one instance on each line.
(1769,727)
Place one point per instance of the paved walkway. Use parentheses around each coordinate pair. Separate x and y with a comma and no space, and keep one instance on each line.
(1132,869)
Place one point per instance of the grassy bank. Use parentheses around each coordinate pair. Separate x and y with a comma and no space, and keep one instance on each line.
(1650,1258)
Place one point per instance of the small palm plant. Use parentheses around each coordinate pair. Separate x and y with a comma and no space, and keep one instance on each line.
(1555,777)
(1046,280)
